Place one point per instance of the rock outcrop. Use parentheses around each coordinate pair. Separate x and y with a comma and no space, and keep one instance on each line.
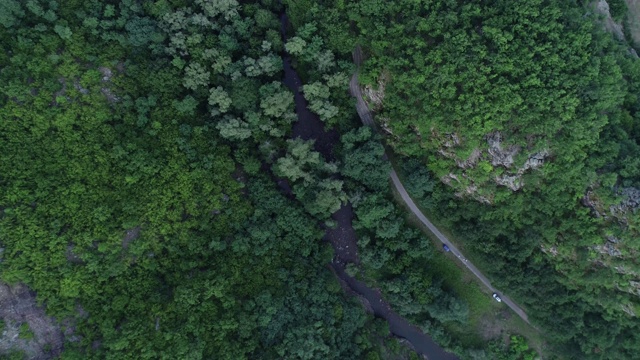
(500,156)
(18,307)
(513,182)
(608,249)
(602,8)
(471,161)
(497,154)
(375,96)
(630,202)
(107,74)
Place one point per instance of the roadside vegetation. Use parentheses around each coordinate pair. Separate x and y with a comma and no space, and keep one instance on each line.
(488,320)
(525,118)
(141,148)
(152,195)
(134,138)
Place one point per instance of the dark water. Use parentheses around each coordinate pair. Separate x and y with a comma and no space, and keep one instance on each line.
(343,237)
(344,241)
(422,343)
(309,126)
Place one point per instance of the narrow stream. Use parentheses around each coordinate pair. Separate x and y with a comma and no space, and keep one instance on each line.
(343,238)
(309,126)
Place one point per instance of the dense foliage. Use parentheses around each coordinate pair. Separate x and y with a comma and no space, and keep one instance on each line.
(154,195)
(527,114)
(394,255)
(133,199)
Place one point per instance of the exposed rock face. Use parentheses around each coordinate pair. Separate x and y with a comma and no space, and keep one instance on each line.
(589,200)
(633,288)
(618,248)
(612,239)
(534,161)
(500,156)
(374,97)
(553,250)
(77,86)
(17,307)
(130,235)
(71,256)
(623,270)
(628,308)
(608,249)
(471,161)
(107,74)
(109,95)
(505,157)
(384,125)
(447,178)
(513,182)
(451,140)
(469,190)
(630,201)
(602,7)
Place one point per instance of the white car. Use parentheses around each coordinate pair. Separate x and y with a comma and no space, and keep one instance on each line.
(495,296)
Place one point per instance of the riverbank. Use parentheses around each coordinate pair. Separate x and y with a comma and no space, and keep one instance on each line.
(489,319)
(343,237)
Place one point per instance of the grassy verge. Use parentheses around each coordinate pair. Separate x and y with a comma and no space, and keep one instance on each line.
(487,318)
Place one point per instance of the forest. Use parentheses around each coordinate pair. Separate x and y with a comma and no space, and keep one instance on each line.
(525,117)
(157,200)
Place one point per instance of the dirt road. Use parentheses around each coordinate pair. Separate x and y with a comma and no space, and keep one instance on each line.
(367,119)
(356,92)
(454,250)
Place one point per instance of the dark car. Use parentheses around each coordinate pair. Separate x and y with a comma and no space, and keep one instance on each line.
(445,247)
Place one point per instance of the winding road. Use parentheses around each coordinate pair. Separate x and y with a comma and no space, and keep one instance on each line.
(367,119)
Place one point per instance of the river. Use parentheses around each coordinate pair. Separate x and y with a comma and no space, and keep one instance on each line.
(343,237)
